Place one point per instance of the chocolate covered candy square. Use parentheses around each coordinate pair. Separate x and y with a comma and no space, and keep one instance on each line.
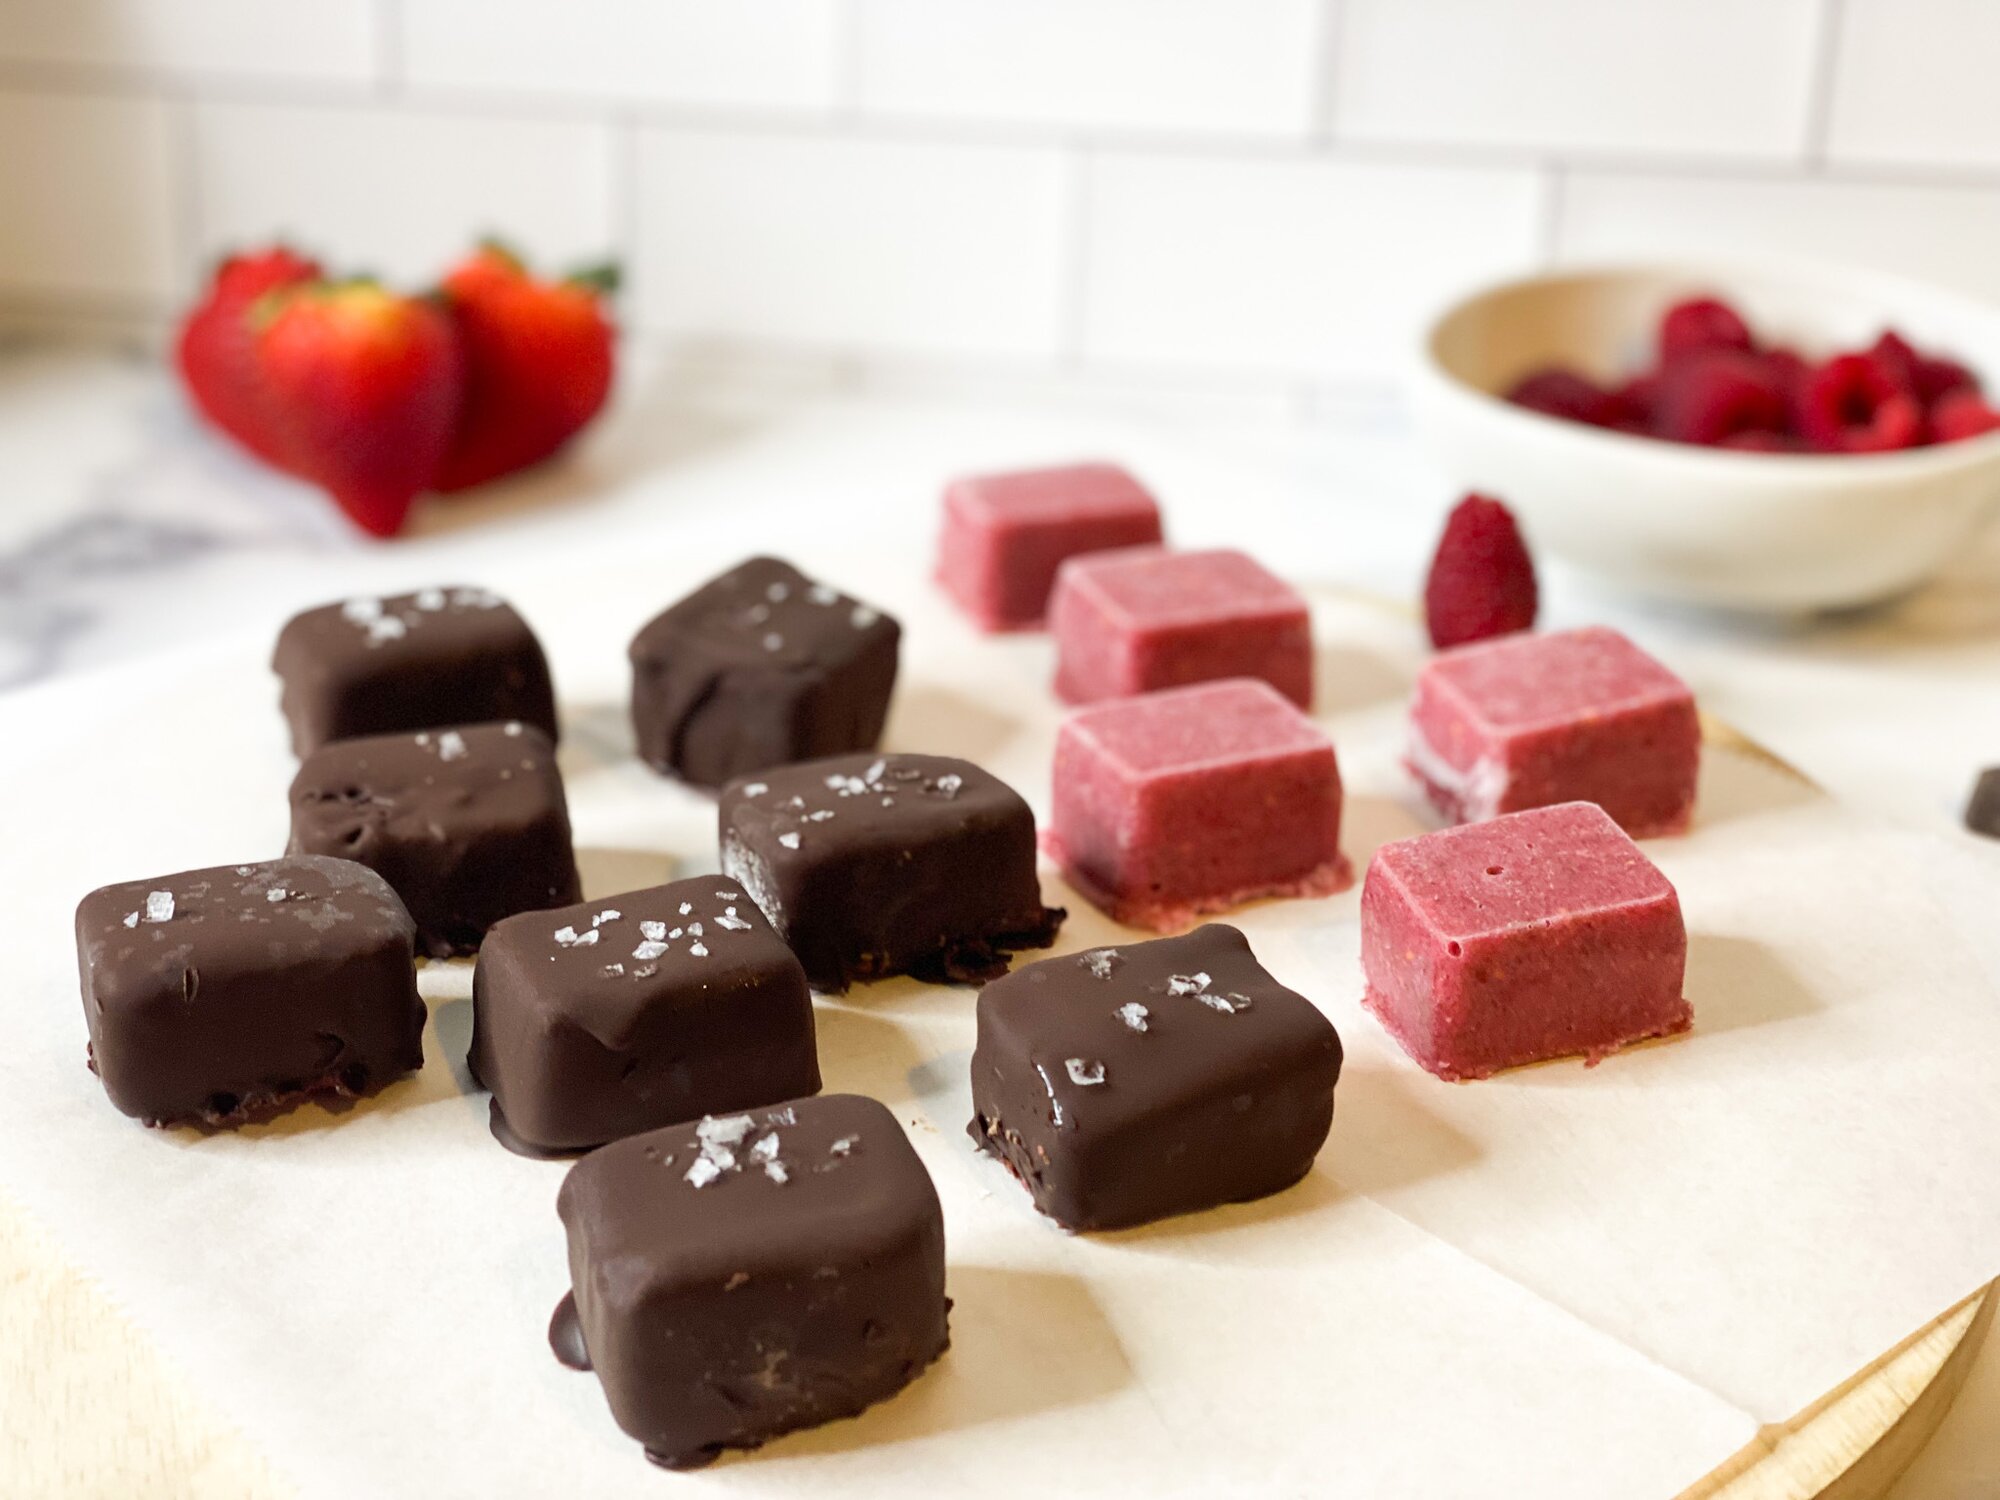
(1006,534)
(751,1274)
(760,667)
(233,994)
(611,1017)
(1576,716)
(468,825)
(1194,800)
(427,660)
(1144,618)
(1125,1084)
(1535,935)
(896,864)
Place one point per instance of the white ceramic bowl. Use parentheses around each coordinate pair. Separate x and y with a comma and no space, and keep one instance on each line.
(1757,531)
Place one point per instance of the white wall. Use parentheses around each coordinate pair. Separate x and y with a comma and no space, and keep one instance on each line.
(1246,193)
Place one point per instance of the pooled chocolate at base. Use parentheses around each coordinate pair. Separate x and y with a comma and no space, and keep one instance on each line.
(505,1134)
(566,1335)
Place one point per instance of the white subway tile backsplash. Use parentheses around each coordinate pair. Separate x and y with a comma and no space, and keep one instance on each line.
(401,192)
(1944,234)
(1915,83)
(86,196)
(1725,78)
(1220,67)
(1303,266)
(755,54)
(837,241)
(331,40)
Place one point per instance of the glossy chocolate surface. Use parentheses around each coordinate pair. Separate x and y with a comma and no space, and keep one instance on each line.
(431,659)
(743,1276)
(232,994)
(894,864)
(468,825)
(1125,1084)
(760,667)
(612,1017)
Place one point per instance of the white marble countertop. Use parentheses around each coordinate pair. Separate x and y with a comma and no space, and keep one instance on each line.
(125,530)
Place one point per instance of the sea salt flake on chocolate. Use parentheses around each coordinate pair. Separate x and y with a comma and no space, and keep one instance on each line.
(686,907)
(1228,1005)
(820,594)
(1133,1014)
(160,906)
(675,933)
(702,1171)
(512,729)
(699,950)
(361,611)
(731,921)
(609,914)
(1048,1084)
(842,1146)
(756,788)
(569,937)
(653,930)
(778,593)
(612,971)
(649,950)
(431,600)
(132,919)
(1100,962)
(275,894)
(1083,1072)
(949,785)
(765,1148)
(727,1130)
(863,617)
(789,840)
(451,745)
(777,1172)
(1186,984)
(386,628)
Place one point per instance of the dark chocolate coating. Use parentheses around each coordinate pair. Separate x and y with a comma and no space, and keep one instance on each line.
(468,825)
(588,1027)
(747,1276)
(893,864)
(426,660)
(233,994)
(760,667)
(1982,812)
(1125,1084)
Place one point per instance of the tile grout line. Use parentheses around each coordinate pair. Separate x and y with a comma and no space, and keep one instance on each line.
(1080,191)
(1827,42)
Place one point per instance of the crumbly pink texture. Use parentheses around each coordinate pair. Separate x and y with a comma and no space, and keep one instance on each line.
(1577,716)
(1005,535)
(1537,935)
(1180,803)
(1142,619)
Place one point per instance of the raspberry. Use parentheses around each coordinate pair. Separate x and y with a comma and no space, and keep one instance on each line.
(1701,323)
(1482,580)
(1556,392)
(1640,396)
(1709,396)
(1760,440)
(1962,414)
(1851,404)
(1921,375)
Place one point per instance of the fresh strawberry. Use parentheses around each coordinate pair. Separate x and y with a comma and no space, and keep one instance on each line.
(538,362)
(364,386)
(216,350)
(1482,580)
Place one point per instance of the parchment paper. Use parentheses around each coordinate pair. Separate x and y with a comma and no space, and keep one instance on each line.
(1562,1282)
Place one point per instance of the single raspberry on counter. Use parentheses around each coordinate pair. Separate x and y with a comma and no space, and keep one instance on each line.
(1852,404)
(1962,414)
(1714,394)
(1557,392)
(1482,580)
(1699,324)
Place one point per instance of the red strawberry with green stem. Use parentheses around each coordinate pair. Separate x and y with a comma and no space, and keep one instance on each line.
(216,350)
(538,363)
(364,386)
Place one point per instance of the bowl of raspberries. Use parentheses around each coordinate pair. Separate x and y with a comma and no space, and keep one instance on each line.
(1771,436)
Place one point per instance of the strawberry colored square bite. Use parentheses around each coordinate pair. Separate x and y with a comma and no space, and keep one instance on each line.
(1173,804)
(1538,935)
(1146,618)
(1577,716)
(1005,535)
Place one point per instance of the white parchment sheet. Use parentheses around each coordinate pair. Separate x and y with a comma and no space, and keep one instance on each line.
(1562,1282)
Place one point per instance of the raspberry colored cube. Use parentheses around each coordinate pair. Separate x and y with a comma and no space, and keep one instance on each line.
(1006,534)
(1534,720)
(1142,619)
(1537,935)
(1174,804)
